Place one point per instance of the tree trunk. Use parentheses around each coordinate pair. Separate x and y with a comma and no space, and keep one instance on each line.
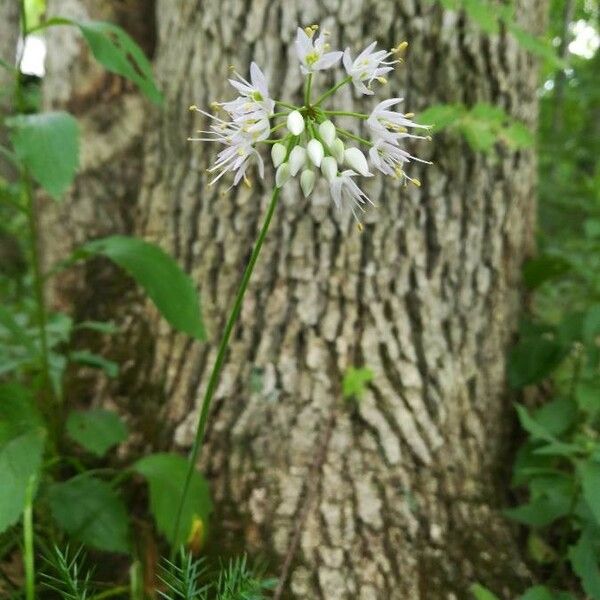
(394,497)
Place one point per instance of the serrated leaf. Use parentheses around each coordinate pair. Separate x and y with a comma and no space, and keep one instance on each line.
(97,430)
(48,144)
(22,438)
(165,474)
(171,290)
(584,561)
(89,510)
(440,116)
(117,52)
(589,472)
(482,593)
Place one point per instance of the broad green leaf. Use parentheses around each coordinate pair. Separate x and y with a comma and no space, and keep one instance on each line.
(97,430)
(540,512)
(441,115)
(482,593)
(488,113)
(536,46)
(171,290)
(20,459)
(165,474)
(89,510)
(48,144)
(587,395)
(592,228)
(479,134)
(589,472)
(591,323)
(556,416)
(539,550)
(518,135)
(116,51)
(22,439)
(584,560)
(85,357)
(532,360)
(538,592)
(355,382)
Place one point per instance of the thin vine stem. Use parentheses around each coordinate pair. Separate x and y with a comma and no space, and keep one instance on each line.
(345,113)
(347,134)
(308,90)
(216,370)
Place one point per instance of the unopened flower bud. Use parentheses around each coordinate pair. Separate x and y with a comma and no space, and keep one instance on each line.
(315,152)
(356,160)
(282,175)
(278,154)
(295,122)
(329,168)
(327,132)
(297,159)
(337,149)
(307,182)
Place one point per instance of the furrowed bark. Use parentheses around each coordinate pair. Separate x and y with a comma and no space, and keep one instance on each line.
(397,496)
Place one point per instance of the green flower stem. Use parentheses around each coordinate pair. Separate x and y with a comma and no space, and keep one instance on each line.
(286,104)
(111,593)
(216,370)
(28,557)
(307,92)
(347,134)
(280,114)
(333,90)
(344,113)
(277,127)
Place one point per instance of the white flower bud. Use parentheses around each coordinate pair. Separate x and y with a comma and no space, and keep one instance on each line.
(356,160)
(315,152)
(295,122)
(282,175)
(327,132)
(329,168)
(337,149)
(307,182)
(297,159)
(278,154)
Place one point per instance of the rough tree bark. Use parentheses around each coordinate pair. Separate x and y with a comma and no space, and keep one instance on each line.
(397,497)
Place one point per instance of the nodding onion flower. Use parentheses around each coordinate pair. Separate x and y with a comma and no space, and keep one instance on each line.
(306,144)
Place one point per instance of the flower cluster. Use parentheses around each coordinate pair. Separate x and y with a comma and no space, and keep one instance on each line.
(310,144)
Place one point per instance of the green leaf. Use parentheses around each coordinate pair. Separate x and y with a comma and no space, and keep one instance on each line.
(482,593)
(22,439)
(90,510)
(171,290)
(540,512)
(48,144)
(518,135)
(592,228)
(440,116)
(97,430)
(532,360)
(557,416)
(85,357)
(591,323)
(544,268)
(587,395)
(165,474)
(536,46)
(355,382)
(479,134)
(584,561)
(107,327)
(482,14)
(589,472)
(538,592)
(117,52)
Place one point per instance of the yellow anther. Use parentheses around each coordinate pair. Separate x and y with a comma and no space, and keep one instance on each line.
(428,138)
(215,105)
(193,107)
(231,68)
(360,227)
(409,115)
(247,181)
(400,48)
(382,80)
(326,46)
(415,182)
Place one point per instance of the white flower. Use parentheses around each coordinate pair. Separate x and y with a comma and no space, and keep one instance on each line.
(278,152)
(327,132)
(356,160)
(307,182)
(295,122)
(369,65)
(297,159)
(312,52)
(329,168)
(343,189)
(388,123)
(256,91)
(315,152)
(389,158)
